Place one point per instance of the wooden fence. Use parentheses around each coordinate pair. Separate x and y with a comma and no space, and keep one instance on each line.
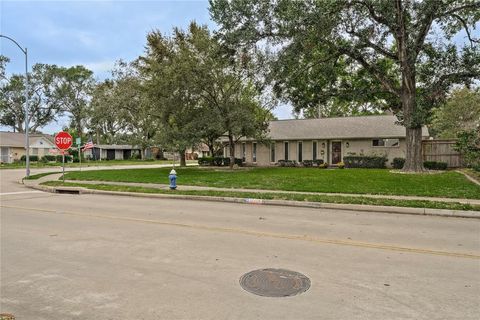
(443,151)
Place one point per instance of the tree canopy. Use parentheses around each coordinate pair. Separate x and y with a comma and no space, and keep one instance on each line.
(398,54)
(198,92)
(460,112)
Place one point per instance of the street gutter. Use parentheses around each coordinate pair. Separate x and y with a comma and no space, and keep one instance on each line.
(253,201)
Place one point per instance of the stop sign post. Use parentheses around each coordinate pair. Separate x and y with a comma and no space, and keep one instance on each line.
(63,141)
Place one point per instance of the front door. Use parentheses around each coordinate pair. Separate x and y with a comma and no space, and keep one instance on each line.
(336,152)
(110,154)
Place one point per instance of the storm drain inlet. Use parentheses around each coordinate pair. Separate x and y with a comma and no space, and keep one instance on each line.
(275,282)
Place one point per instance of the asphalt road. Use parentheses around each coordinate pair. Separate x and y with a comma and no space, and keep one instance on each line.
(106,257)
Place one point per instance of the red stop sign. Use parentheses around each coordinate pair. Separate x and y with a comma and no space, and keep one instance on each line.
(63,140)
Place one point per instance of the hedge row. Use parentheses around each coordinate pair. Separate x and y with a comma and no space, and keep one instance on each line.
(47,158)
(365,162)
(304,163)
(218,161)
(435,165)
(398,163)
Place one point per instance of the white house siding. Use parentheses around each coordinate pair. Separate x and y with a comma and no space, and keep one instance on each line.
(364,146)
(324,150)
(118,154)
(40,147)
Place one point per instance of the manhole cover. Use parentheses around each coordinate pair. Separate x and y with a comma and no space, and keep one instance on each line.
(274,282)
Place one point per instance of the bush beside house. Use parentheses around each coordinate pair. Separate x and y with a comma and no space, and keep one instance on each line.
(218,161)
(378,162)
(435,165)
(431,165)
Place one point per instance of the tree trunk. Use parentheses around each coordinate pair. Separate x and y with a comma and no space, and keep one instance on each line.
(232,151)
(19,126)
(414,158)
(183,161)
(413,127)
(210,147)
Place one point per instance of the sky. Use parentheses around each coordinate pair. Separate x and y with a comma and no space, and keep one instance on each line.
(93,33)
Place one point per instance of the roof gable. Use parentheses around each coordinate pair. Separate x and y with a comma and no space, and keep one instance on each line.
(384,126)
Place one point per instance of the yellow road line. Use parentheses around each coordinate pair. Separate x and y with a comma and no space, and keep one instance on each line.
(261,234)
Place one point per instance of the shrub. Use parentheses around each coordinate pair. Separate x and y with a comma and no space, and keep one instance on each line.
(468,144)
(49,157)
(287,163)
(32,158)
(318,162)
(218,161)
(341,165)
(435,165)
(365,161)
(238,162)
(205,161)
(323,165)
(138,156)
(307,163)
(398,163)
(68,158)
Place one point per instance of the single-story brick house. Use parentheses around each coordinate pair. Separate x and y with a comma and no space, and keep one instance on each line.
(12,145)
(328,139)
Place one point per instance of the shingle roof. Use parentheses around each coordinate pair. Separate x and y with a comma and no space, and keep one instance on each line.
(116,146)
(383,126)
(17,139)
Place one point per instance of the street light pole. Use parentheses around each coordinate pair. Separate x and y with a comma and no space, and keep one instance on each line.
(27,138)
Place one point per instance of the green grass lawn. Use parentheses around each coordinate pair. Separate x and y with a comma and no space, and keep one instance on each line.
(40,175)
(368,181)
(278,196)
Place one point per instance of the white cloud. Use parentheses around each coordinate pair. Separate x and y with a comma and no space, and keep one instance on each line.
(99,66)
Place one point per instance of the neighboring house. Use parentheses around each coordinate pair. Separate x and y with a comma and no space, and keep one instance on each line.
(199,151)
(112,152)
(12,146)
(328,139)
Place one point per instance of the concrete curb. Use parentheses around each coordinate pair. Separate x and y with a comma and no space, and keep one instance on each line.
(289,203)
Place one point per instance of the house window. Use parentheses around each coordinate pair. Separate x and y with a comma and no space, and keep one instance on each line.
(272,152)
(254,152)
(34,151)
(244,152)
(285,150)
(300,151)
(388,143)
(314,150)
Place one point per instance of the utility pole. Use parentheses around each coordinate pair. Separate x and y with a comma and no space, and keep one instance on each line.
(27,121)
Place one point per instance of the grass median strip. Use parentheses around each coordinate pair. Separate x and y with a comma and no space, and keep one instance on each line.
(40,175)
(278,196)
